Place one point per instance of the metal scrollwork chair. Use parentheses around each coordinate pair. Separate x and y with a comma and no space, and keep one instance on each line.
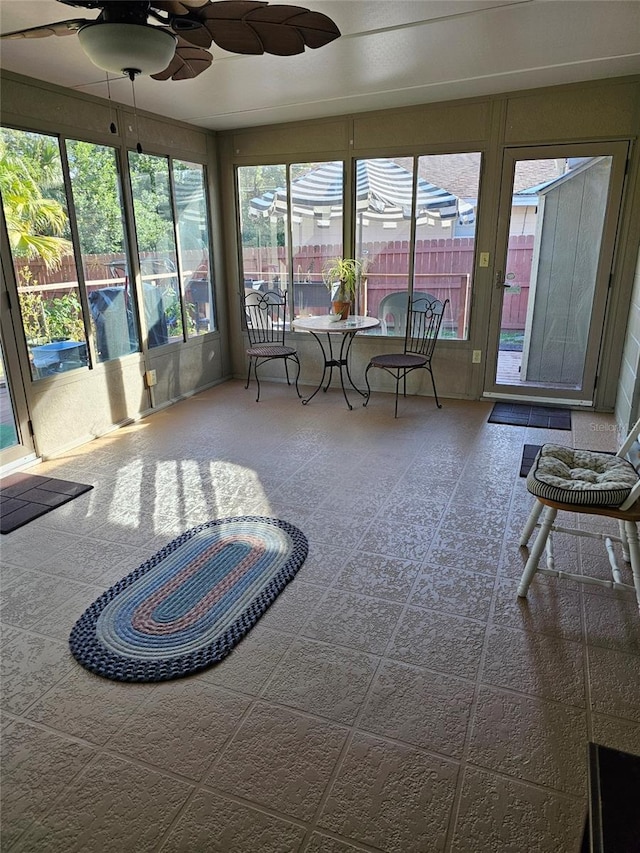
(590,483)
(266,315)
(424,318)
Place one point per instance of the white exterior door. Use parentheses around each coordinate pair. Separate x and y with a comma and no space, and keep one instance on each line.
(559,209)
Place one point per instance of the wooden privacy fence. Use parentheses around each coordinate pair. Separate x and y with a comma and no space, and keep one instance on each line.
(100,271)
(519,260)
(443,267)
(97,271)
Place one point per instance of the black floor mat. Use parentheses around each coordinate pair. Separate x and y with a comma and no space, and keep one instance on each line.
(24,497)
(528,455)
(518,414)
(613,824)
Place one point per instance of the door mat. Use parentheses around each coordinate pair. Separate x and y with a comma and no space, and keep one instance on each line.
(24,497)
(528,455)
(186,607)
(613,821)
(518,414)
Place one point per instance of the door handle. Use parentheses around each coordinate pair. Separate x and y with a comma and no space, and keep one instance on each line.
(499,280)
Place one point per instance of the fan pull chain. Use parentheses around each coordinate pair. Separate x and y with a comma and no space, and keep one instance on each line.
(132,75)
(112,127)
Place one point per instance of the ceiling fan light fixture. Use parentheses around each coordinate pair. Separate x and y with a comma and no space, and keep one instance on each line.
(120,48)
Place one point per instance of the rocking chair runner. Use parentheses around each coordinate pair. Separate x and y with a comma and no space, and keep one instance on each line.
(591,483)
(424,318)
(266,315)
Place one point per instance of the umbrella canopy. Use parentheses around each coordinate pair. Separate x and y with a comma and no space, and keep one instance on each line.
(384,191)
(188,189)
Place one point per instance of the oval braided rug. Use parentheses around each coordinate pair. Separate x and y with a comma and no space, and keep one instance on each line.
(187,606)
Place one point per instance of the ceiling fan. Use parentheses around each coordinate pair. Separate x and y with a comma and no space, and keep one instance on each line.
(122,39)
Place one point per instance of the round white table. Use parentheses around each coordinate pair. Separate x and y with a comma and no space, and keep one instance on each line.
(347,330)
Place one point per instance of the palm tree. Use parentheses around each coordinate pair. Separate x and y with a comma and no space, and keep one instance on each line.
(34,222)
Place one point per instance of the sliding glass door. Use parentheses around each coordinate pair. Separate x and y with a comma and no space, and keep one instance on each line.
(16,442)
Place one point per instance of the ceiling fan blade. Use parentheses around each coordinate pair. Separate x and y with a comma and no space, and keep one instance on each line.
(187,63)
(58,28)
(178,7)
(286,30)
(316,29)
(254,27)
(246,38)
(85,4)
(197,35)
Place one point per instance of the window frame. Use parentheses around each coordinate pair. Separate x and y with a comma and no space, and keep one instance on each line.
(350,218)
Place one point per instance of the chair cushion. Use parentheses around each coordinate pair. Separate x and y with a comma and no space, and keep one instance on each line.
(270,351)
(583,477)
(398,360)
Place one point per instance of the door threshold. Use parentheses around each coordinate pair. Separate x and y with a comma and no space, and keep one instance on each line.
(24,462)
(527,398)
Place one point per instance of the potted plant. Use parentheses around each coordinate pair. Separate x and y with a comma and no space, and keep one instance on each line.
(342,277)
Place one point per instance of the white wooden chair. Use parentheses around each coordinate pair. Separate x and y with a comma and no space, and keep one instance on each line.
(591,483)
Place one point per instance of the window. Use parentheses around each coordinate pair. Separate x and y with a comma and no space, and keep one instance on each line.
(172,229)
(445,234)
(317,199)
(414,231)
(263,234)
(157,251)
(94,175)
(35,209)
(384,205)
(300,207)
(439,200)
(193,245)
(173,252)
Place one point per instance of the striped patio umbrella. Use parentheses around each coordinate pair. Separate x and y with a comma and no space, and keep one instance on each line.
(384,192)
(189,196)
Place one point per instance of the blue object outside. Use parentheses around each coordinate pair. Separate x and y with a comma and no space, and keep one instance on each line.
(53,354)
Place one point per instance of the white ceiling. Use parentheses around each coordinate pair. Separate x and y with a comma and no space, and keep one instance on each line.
(392,53)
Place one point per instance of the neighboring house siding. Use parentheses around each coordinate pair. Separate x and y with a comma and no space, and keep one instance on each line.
(572,216)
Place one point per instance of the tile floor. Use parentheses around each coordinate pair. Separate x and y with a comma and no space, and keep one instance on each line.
(397,697)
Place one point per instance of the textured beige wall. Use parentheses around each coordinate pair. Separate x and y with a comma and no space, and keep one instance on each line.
(80,405)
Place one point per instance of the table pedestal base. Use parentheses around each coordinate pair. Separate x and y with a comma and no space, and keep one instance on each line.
(341,362)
